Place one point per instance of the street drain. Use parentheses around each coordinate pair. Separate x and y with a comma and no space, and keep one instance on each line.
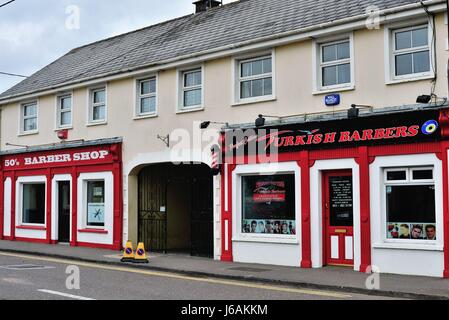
(26,267)
(246,269)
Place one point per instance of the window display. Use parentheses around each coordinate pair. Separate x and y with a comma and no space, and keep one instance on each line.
(410,206)
(95,203)
(33,203)
(268,204)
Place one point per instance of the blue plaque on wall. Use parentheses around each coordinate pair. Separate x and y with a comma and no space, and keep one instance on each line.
(332,100)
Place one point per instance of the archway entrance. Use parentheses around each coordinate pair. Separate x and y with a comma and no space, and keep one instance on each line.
(176,208)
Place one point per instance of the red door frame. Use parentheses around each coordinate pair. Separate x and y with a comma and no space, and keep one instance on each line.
(327,229)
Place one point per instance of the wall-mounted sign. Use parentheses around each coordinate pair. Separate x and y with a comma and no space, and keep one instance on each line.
(332,100)
(95,213)
(407,127)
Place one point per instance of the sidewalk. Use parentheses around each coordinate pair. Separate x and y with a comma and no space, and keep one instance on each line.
(329,278)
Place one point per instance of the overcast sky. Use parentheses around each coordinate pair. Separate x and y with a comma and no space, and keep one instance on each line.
(34,33)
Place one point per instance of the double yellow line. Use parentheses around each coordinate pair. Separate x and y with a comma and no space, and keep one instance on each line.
(243,284)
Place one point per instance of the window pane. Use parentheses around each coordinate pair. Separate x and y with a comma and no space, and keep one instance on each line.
(422,174)
(99,96)
(403,40)
(257,67)
(66,118)
(95,203)
(66,103)
(329,76)
(148,105)
(421,62)
(267,86)
(344,73)
(145,87)
(404,64)
(33,205)
(257,88)
(245,89)
(396,175)
(329,53)
(420,37)
(30,124)
(192,79)
(99,113)
(192,98)
(30,110)
(246,69)
(410,210)
(268,204)
(152,86)
(343,50)
(267,67)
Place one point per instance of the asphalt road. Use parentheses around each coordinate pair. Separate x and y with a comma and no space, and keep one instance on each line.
(39,278)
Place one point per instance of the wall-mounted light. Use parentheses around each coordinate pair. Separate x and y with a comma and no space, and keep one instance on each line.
(424,98)
(206,124)
(260,121)
(354,111)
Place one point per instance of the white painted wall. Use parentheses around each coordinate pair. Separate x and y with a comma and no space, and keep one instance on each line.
(408,256)
(264,248)
(316,213)
(7,207)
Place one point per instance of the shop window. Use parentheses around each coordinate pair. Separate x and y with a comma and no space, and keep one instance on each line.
(95,203)
(146,97)
(255,77)
(268,204)
(410,204)
(33,203)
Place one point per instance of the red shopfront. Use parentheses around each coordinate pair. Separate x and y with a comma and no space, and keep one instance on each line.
(370,193)
(70,192)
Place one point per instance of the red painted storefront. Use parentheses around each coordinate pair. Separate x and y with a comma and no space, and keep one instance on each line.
(364,156)
(71,160)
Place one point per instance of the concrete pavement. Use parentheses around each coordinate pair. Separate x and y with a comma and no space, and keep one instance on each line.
(329,278)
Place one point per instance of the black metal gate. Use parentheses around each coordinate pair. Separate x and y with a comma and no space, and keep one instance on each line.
(154,209)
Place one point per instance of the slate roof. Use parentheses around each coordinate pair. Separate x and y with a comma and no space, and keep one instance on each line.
(230,24)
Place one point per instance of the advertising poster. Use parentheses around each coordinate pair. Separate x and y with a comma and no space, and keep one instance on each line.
(269,191)
(95,213)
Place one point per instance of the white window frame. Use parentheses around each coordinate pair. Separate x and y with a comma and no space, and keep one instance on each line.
(59,111)
(409,181)
(22,118)
(137,112)
(391,52)
(263,170)
(318,65)
(19,200)
(181,89)
(91,105)
(237,79)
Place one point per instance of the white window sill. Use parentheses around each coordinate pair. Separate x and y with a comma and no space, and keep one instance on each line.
(192,109)
(410,79)
(146,116)
(29,133)
(335,89)
(268,239)
(93,124)
(253,100)
(409,246)
(64,128)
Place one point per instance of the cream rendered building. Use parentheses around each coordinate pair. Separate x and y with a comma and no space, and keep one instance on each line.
(292,34)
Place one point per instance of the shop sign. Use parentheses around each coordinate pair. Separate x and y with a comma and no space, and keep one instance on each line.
(409,127)
(57,158)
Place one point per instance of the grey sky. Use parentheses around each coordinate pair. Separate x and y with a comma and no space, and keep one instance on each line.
(33,33)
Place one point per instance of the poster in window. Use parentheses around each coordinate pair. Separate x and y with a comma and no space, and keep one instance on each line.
(268,204)
(95,214)
(411,230)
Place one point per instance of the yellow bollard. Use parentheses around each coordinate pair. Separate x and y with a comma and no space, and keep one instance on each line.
(140,256)
(128,253)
